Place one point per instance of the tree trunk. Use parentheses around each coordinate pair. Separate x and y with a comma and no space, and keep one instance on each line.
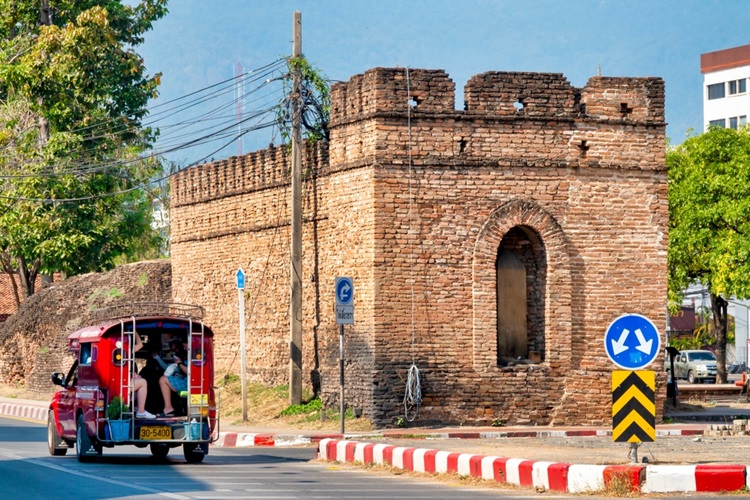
(719,309)
(27,275)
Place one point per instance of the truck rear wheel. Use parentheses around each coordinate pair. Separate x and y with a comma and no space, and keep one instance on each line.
(159,450)
(85,449)
(195,452)
(55,444)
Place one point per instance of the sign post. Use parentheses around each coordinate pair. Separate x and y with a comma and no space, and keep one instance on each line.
(344,291)
(241,297)
(632,342)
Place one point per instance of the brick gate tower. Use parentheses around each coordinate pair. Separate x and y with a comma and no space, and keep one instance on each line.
(489,246)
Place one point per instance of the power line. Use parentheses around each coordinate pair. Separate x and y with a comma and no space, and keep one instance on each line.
(173,140)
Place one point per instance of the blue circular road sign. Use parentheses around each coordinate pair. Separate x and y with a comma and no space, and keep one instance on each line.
(344,290)
(632,341)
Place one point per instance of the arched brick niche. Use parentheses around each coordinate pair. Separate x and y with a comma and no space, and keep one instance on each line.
(547,239)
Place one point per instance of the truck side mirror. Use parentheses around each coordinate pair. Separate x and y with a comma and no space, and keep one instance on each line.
(57,378)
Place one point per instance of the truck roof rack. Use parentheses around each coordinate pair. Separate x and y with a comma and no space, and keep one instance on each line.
(146,309)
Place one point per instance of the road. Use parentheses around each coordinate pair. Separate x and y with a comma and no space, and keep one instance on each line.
(28,471)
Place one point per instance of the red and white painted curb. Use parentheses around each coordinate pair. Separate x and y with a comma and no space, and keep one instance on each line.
(553,476)
(536,434)
(247,439)
(22,410)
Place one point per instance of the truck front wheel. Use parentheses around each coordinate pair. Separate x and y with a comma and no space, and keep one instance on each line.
(691,377)
(55,444)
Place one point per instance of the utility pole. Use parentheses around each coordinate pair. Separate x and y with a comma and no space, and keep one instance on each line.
(45,19)
(295,307)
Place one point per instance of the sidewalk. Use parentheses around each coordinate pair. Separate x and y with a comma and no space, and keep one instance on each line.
(567,459)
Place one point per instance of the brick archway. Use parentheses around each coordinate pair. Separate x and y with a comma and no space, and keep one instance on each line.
(557,294)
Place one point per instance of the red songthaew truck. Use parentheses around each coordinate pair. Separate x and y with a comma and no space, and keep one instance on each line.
(96,405)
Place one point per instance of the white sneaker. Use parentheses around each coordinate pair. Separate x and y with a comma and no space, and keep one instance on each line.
(145,414)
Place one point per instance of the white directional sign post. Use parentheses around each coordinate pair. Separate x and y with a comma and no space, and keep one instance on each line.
(241,295)
(344,292)
(632,342)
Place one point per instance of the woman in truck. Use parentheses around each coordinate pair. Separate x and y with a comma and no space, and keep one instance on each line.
(140,386)
(174,379)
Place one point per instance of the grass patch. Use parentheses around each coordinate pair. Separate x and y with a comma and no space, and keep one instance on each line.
(268,406)
(314,405)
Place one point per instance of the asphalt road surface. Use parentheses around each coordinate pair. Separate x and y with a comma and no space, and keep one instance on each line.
(27,471)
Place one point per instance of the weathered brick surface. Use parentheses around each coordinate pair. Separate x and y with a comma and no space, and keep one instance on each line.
(34,341)
(414,204)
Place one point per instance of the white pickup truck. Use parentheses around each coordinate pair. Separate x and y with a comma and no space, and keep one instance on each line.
(695,366)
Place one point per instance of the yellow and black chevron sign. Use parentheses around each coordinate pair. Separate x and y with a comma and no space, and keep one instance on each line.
(633,407)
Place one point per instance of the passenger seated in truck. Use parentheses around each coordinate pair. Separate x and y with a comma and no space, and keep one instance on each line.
(140,386)
(152,371)
(174,378)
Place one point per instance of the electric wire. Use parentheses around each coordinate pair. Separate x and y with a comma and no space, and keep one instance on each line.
(252,122)
(142,185)
(169,111)
(165,147)
(120,129)
(413,393)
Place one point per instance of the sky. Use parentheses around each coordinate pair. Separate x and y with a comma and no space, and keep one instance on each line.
(200,43)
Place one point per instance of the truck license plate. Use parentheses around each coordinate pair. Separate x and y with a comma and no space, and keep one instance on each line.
(161,432)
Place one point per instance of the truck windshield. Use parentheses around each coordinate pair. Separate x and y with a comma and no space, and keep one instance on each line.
(702,356)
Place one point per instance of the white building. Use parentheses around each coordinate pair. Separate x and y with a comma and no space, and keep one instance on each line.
(726,102)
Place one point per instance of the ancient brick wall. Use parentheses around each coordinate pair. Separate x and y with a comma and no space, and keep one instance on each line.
(34,340)
(413,199)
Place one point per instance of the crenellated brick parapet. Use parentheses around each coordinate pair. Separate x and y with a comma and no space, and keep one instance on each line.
(533,119)
(521,95)
(624,100)
(264,169)
(389,90)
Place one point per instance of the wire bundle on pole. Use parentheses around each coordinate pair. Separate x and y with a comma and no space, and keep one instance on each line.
(413,395)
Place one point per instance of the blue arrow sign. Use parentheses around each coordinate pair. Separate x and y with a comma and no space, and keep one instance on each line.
(344,290)
(632,342)
(240,279)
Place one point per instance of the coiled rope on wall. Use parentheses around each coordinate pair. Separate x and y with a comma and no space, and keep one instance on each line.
(413,394)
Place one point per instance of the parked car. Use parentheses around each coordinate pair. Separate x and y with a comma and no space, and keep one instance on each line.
(695,366)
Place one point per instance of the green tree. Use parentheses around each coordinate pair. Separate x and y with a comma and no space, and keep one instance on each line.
(73,93)
(709,223)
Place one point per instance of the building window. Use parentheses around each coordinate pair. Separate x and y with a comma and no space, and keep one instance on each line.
(716,91)
(736,121)
(737,87)
(717,123)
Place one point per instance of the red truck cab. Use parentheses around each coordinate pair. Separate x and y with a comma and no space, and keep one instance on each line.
(96,404)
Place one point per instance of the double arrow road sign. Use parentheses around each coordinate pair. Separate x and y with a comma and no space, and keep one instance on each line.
(632,342)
